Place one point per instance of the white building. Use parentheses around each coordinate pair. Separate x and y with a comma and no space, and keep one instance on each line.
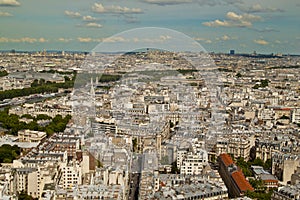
(31,136)
(194,163)
(71,175)
(296,115)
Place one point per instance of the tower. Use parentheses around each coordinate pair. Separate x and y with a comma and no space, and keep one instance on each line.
(92,90)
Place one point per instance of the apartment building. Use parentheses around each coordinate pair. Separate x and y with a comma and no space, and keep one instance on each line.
(233,177)
(31,136)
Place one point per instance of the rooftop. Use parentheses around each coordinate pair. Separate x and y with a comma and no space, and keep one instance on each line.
(227,160)
(241,181)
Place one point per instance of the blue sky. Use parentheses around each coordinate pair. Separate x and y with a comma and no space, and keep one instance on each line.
(264,26)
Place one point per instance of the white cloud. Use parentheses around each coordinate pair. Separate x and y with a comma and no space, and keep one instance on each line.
(243,17)
(167,2)
(234,20)
(278,42)
(165,37)
(23,39)
(109,39)
(216,23)
(4,39)
(207,41)
(200,2)
(9,3)
(258,8)
(93,25)
(160,39)
(42,40)
(85,39)
(114,39)
(225,37)
(261,42)
(5,14)
(99,8)
(26,39)
(64,39)
(89,18)
(72,14)
(265,30)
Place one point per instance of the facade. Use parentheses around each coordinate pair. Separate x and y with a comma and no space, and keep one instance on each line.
(238,147)
(194,164)
(186,187)
(289,192)
(269,180)
(296,115)
(31,136)
(181,154)
(70,175)
(233,177)
(31,180)
(20,179)
(280,112)
(296,176)
(265,148)
(284,165)
(36,183)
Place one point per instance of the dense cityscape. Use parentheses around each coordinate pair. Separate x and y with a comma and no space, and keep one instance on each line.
(149,125)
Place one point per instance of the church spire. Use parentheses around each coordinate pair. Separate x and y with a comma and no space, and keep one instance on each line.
(92,90)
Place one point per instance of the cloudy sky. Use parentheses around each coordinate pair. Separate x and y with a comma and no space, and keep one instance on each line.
(265,26)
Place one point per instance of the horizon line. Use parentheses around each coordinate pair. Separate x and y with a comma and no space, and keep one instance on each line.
(88,52)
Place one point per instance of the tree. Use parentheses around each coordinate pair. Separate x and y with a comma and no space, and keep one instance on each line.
(264,83)
(43,117)
(284,117)
(268,164)
(13,124)
(258,161)
(33,126)
(171,124)
(109,78)
(24,196)
(245,166)
(9,153)
(134,144)
(35,83)
(66,78)
(174,169)
(3,73)
(238,75)
(37,87)
(259,195)
(27,116)
(42,81)
(256,184)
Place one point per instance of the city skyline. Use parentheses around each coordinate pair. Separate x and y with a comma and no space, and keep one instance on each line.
(77,25)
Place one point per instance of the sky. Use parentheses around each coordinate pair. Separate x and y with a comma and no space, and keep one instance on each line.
(264,26)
